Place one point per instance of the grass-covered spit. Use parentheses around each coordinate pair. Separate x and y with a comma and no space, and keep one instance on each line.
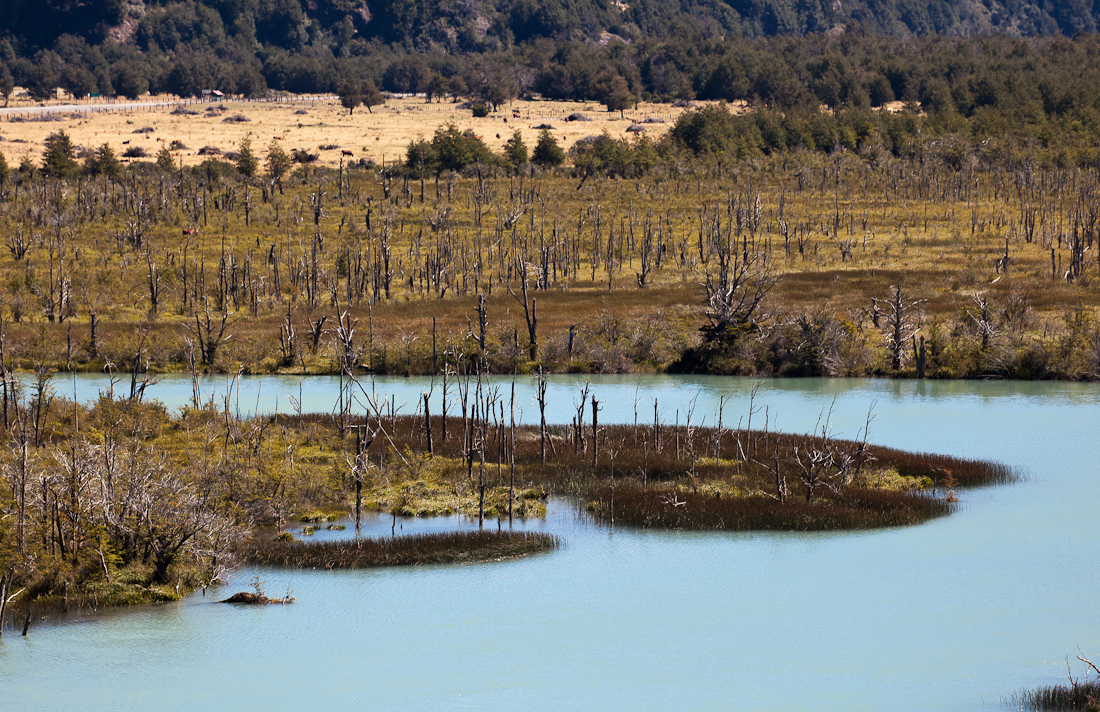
(782,482)
(440,548)
(858,509)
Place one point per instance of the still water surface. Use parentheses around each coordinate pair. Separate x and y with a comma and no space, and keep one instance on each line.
(951,615)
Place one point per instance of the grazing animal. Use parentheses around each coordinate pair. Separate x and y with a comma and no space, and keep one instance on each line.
(189,231)
(348,153)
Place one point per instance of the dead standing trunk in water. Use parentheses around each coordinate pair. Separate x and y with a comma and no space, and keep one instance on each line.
(428,426)
(5,586)
(443,425)
(595,432)
(481,479)
(512,454)
(360,466)
(541,395)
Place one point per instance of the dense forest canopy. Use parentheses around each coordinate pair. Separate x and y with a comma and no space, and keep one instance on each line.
(469,25)
(128,46)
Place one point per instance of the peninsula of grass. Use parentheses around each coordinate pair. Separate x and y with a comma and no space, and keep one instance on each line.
(668,508)
(789,483)
(413,550)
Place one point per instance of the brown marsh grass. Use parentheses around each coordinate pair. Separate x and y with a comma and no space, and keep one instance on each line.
(413,550)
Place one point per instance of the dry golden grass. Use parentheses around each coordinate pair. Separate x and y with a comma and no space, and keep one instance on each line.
(380,136)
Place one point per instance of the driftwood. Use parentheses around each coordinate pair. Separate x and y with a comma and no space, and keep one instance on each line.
(256,599)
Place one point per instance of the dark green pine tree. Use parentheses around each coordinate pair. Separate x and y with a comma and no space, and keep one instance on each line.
(59,158)
(547,150)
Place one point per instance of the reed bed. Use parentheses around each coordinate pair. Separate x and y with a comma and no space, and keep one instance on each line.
(965,472)
(857,509)
(1074,695)
(667,475)
(420,549)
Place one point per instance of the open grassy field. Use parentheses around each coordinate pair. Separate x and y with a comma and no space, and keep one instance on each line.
(381,136)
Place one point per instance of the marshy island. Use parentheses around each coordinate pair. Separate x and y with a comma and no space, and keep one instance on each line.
(121,501)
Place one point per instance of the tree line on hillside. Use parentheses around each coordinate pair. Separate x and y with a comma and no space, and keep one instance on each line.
(987,84)
(492,25)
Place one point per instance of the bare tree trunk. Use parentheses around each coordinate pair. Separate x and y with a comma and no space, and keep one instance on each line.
(541,392)
(595,433)
(512,456)
(428,425)
(5,586)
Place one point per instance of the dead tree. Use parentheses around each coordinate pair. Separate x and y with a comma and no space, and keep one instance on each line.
(902,322)
(360,466)
(345,335)
(153,278)
(735,290)
(595,432)
(210,333)
(822,463)
(5,585)
(529,314)
(541,397)
(428,425)
(511,450)
(288,338)
(316,329)
(482,320)
(983,320)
